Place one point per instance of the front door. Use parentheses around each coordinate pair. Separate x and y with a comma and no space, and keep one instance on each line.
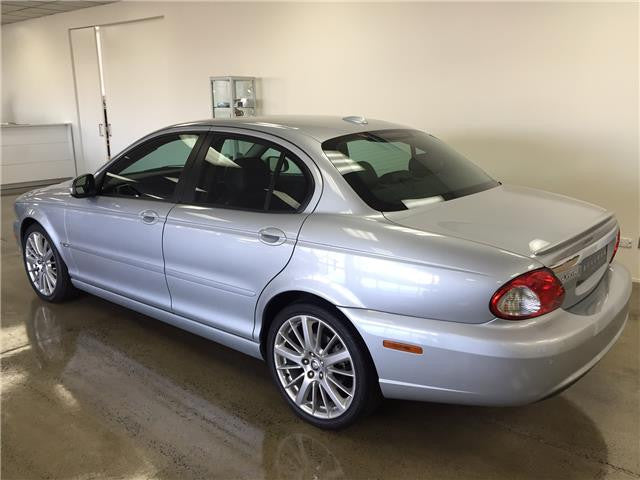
(116,237)
(235,230)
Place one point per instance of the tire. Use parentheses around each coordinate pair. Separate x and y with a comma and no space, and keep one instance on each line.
(336,394)
(40,253)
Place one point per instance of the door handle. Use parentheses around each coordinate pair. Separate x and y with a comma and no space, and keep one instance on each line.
(272,236)
(149,217)
(101,129)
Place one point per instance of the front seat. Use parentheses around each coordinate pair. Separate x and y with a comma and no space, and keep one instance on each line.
(255,176)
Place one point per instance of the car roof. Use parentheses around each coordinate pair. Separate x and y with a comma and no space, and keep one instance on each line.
(318,127)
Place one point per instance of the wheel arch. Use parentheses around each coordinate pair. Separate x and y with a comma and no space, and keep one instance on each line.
(282,299)
(37,217)
(25,224)
(44,223)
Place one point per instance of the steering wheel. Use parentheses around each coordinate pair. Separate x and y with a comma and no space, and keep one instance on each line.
(128,190)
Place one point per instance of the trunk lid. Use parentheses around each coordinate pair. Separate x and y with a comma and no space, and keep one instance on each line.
(572,237)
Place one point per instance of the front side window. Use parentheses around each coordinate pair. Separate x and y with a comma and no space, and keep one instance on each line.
(152,170)
(395,170)
(251,174)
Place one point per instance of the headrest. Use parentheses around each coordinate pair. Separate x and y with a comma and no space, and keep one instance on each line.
(253,163)
(367,175)
(255,172)
(423,164)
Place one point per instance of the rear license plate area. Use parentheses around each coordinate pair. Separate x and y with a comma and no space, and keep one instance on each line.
(591,264)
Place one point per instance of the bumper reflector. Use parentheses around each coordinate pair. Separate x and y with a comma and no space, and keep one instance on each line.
(403,347)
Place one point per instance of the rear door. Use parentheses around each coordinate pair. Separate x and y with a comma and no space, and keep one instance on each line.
(236,227)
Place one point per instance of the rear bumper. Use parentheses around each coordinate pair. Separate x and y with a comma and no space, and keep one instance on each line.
(499,362)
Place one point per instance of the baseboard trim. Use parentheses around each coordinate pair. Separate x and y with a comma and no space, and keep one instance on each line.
(21,187)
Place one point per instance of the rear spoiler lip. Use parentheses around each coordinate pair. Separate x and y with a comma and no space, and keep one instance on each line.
(583,242)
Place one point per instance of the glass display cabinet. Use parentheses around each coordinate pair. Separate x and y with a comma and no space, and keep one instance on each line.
(233,96)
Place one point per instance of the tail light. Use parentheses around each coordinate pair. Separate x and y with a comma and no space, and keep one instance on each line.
(615,249)
(530,295)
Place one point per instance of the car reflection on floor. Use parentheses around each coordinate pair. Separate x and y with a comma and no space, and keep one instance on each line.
(163,417)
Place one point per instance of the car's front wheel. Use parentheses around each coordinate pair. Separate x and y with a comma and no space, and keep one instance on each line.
(320,366)
(45,268)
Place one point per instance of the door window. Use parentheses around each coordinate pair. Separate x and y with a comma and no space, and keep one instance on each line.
(251,174)
(152,170)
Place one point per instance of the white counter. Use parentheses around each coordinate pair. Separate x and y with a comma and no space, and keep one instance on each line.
(36,153)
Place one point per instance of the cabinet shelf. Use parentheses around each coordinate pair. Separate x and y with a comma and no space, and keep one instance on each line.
(233,96)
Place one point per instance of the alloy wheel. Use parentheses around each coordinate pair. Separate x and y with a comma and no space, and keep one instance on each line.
(41,263)
(314,366)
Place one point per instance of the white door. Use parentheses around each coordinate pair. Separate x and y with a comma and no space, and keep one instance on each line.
(93,147)
(136,71)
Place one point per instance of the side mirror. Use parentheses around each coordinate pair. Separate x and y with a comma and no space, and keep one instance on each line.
(84,186)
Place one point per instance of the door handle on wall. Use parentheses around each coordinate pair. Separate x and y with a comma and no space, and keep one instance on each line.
(272,236)
(104,130)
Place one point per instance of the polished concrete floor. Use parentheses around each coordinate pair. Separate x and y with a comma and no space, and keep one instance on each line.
(91,390)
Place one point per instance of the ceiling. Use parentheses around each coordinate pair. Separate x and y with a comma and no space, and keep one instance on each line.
(24,10)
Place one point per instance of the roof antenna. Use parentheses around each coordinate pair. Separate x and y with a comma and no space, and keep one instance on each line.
(356,119)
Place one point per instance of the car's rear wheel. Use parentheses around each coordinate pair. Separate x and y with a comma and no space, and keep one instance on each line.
(321,366)
(46,271)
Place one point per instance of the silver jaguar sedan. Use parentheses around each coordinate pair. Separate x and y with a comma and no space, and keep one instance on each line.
(360,258)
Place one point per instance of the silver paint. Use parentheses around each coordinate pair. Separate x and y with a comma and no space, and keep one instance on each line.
(422,276)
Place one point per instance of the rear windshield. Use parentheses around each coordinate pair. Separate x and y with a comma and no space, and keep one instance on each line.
(395,170)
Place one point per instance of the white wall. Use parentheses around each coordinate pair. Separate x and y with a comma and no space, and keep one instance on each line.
(540,94)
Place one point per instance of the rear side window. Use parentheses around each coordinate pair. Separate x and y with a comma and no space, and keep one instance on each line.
(395,170)
(251,174)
